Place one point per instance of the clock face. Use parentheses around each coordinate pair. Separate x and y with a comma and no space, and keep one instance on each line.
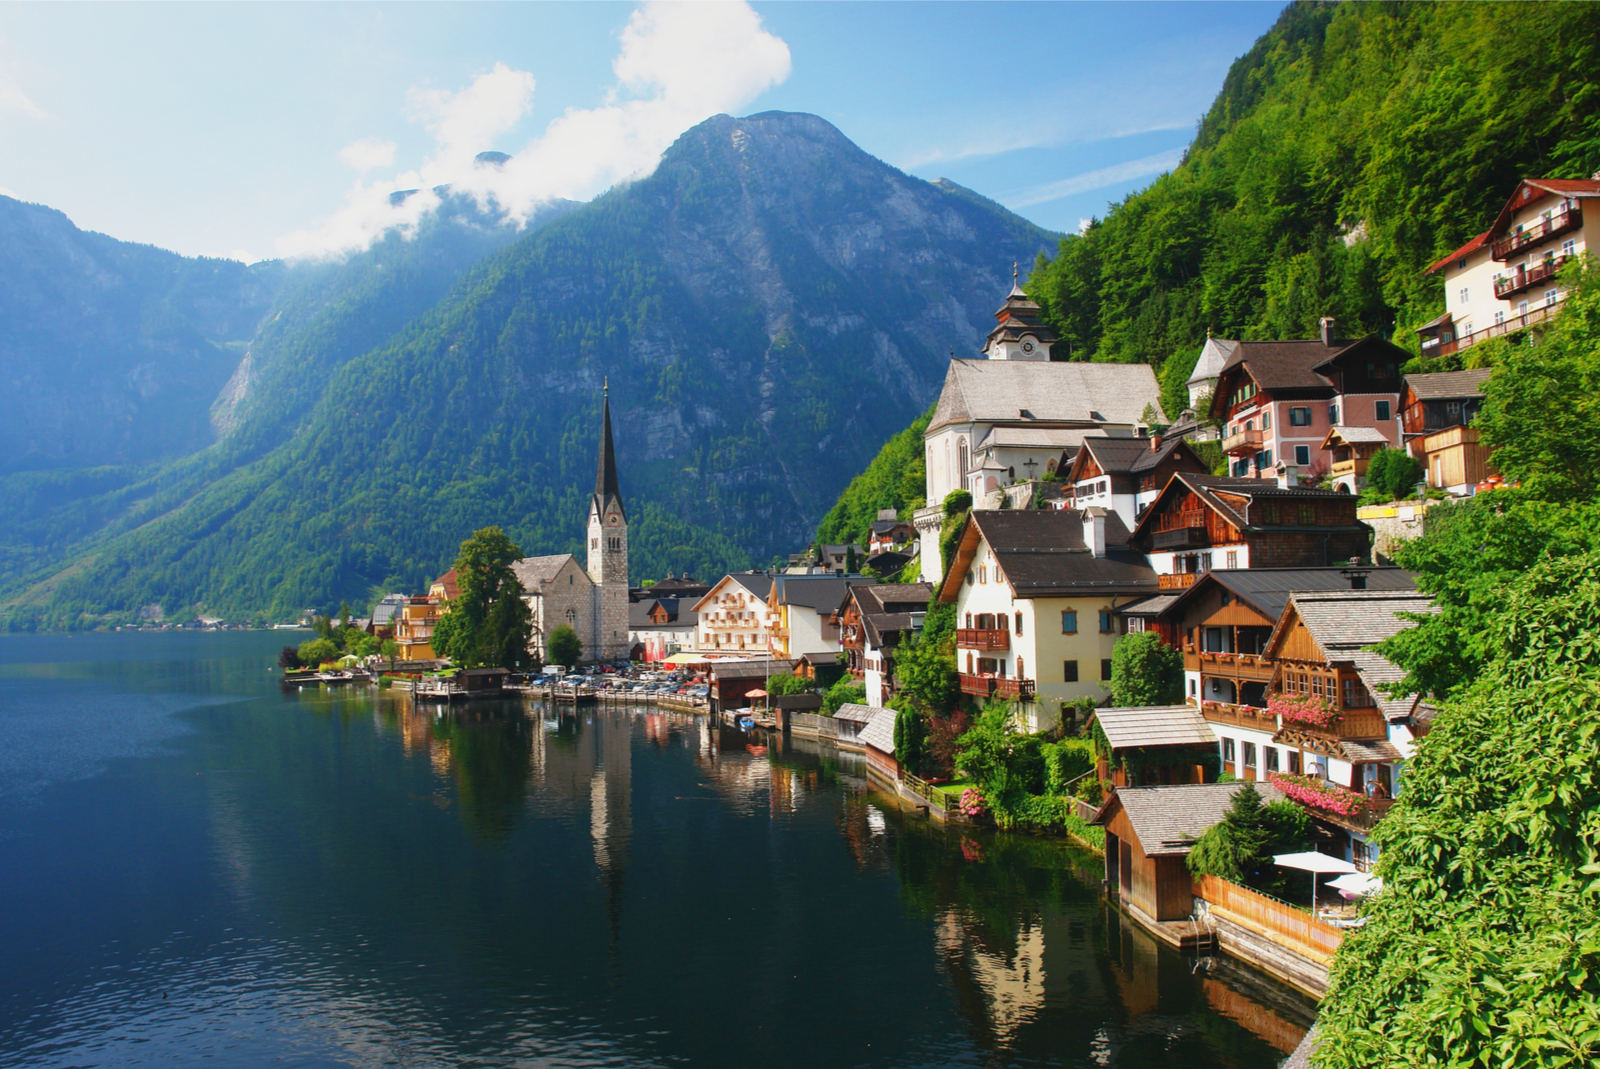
(1027,346)
(615,521)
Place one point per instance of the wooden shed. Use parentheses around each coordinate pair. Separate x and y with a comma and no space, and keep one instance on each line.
(1155,744)
(1149,831)
(878,738)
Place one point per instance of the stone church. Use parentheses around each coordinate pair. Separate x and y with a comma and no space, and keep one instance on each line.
(592,600)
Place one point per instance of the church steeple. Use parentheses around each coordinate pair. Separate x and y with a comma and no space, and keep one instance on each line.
(606,489)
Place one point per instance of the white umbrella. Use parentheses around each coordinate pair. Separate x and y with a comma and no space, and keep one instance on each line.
(1314,863)
(1357,883)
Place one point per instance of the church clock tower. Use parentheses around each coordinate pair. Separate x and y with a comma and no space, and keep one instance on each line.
(608,552)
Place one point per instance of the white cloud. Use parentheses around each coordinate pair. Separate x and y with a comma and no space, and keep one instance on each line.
(366,153)
(12,99)
(1084,225)
(678,64)
(1116,174)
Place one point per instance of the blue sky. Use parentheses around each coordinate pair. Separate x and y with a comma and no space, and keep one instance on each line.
(254,130)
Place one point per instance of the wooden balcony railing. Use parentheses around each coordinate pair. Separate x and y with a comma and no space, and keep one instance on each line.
(1243,442)
(1544,230)
(1342,468)
(1244,716)
(1176,581)
(1172,521)
(980,686)
(1181,538)
(1509,326)
(983,638)
(1014,689)
(1252,666)
(1523,280)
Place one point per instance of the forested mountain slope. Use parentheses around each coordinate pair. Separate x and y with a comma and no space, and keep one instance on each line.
(764,305)
(1352,146)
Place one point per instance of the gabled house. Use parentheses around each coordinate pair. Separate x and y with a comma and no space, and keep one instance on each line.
(1202,522)
(802,609)
(1036,596)
(1352,449)
(1507,278)
(1126,475)
(1436,414)
(890,533)
(730,682)
(873,621)
(733,616)
(659,627)
(1278,399)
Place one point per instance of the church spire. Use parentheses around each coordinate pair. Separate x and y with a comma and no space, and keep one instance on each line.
(605,480)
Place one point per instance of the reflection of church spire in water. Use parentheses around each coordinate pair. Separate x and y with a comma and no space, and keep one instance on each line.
(611,806)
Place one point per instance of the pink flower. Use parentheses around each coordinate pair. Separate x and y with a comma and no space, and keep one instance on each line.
(972,803)
(1315,794)
(1304,709)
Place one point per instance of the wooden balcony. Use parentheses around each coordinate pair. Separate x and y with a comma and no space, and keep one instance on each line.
(1179,538)
(1243,442)
(1176,581)
(979,686)
(1244,716)
(1341,468)
(983,638)
(1543,231)
(1251,666)
(1524,280)
(1017,690)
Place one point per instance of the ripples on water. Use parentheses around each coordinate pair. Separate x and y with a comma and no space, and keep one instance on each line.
(201,868)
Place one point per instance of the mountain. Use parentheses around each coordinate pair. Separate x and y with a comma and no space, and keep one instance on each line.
(1352,146)
(111,353)
(767,305)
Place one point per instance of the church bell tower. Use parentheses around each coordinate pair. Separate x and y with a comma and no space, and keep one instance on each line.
(608,552)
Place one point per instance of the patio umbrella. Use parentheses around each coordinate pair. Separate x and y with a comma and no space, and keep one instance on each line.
(1357,883)
(758,693)
(1314,863)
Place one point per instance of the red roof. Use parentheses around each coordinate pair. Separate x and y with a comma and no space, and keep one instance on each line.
(451,591)
(1561,187)
(1471,246)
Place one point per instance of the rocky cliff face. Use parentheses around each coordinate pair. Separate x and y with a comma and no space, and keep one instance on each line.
(769,306)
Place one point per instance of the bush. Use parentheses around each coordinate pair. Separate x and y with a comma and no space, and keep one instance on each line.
(317,650)
(1065,762)
(779,685)
(565,646)
(957,501)
(1145,671)
(847,691)
(1393,473)
(289,657)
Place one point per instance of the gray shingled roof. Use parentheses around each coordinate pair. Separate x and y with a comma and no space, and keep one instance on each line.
(1168,820)
(1448,385)
(815,591)
(1213,355)
(1051,439)
(751,669)
(893,597)
(879,732)
(1360,435)
(860,714)
(1267,590)
(1347,620)
(996,391)
(531,571)
(1154,725)
(1361,752)
(1375,671)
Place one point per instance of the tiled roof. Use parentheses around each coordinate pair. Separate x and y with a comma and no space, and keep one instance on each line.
(751,669)
(1154,725)
(998,391)
(1343,620)
(1366,752)
(1448,385)
(1043,554)
(1267,590)
(885,628)
(1168,820)
(1205,487)
(814,591)
(879,732)
(894,597)
(1151,606)
(1213,355)
(1357,435)
(1286,365)
(1471,246)
(1050,438)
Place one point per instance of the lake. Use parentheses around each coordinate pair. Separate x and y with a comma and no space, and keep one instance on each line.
(199,867)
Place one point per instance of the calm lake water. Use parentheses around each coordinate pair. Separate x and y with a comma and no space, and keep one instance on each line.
(200,868)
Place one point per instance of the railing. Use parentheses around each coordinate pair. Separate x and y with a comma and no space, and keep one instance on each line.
(923,789)
(1177,580)
(1545,229)
(981,686)
(1173,521)
(1510,326)
(1243,442)
(1341,468)
(1253,666)
(1245,716)
(1284,924)
(1086,812)
(1506,287)
(1179,538)
(1014,689)
(983,638)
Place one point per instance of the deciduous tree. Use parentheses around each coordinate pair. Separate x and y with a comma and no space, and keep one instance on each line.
(489,623)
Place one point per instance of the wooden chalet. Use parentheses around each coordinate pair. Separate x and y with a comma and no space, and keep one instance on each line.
(873,622)
(1352,449)
(1149,833)
(1126,474)
(1436,414)
(1158,744)
(1199,523)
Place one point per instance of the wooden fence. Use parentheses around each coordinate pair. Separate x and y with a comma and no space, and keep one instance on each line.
(922,789)
(825,727)
(1293,927)
(1085,811)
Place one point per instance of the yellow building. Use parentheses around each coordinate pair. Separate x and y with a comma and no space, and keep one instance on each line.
(413,628)
(1036,596)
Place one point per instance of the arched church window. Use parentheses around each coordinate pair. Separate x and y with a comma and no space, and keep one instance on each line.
(572,616)
(961,458)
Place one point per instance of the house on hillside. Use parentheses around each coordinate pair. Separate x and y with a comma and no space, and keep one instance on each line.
(1155,744)
(1436,414)
(1198,523)
(1352,449)
(803,609)
(733,616)
(1149,833)
(1005,417)
(1036,594)
(873,622)
(1507,278)
(1126,475)
(890,534)
(1279,399)
(445,588)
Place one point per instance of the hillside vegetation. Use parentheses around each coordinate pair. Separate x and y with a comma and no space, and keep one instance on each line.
(1353,145)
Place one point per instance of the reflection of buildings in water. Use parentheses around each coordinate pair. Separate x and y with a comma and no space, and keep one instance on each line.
(611,793)
(1009,983)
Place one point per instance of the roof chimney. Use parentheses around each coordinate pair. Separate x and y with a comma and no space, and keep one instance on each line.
(1356,574)
(1288,476)
(1326,322)
(1094,530)
(1155,442)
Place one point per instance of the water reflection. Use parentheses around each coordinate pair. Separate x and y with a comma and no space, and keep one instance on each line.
(335,878)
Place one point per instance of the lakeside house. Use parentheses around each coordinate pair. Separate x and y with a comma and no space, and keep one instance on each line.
(1156,744)
(1506,279)
(1436,414)
(873,622)
(1036,594)
(659,627)
(414,621)
(732,681)
(803,610)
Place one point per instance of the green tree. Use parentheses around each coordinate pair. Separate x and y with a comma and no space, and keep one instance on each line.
(289,657)
(1145,671)
(565,646)
(1392,474)
(317,651)
(1240,847)
(784,683)
(910,739)
(846,691)
(390,649)
(488,623)
(1484,946)
(925,673)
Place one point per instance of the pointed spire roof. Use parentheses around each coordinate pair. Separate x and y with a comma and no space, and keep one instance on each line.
(605,481)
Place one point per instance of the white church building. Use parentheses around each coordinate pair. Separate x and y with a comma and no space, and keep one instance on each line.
(592,600)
